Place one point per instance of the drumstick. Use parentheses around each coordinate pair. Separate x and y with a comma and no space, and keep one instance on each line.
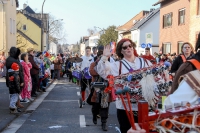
(119,92)
(126,89)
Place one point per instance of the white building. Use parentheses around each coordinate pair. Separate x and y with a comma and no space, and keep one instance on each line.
(146,31)
(93,40)
(82,49)
(53,48)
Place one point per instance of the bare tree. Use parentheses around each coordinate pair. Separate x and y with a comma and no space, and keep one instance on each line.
(56,30)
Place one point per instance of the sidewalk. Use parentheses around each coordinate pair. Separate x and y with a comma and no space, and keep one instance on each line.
(5,117)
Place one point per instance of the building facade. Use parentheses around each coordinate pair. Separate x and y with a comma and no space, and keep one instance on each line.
(8,24)
(29,31)
(174,24)
(194,28)
(146,31)
(93,40)
(124,30)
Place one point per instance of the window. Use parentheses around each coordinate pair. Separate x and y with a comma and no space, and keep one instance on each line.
(24,27)
(11,25)
(181,18)
(198,8)
(179,47)
(166,47)
(14,27)
(167,20)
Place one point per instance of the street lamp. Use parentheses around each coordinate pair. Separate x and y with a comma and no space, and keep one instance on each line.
(42,26)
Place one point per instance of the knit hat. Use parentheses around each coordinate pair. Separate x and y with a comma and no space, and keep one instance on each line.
(47,54)
(15,66)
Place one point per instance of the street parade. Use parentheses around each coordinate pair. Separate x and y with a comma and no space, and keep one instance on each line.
(139,77)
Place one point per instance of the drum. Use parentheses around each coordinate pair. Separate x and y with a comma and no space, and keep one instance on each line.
(77,74)
(86,73)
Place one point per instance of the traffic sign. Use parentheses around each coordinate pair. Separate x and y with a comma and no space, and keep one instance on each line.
(143,45)
(149,45)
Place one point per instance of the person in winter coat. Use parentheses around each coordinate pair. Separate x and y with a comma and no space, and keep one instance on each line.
(34,72)
(57,66)
(26,91)
(14,58)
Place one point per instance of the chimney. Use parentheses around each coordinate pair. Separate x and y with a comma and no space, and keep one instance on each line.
(24,6)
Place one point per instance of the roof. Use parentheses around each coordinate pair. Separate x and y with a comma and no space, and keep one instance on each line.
(25,36)
(36,21)
(29,10)
(146,19)
(160,1)
(128,25)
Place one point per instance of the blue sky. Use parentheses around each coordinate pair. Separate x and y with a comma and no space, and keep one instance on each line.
(79,15)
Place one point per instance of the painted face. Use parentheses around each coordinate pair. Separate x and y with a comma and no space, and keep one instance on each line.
(187,49)
(127,49)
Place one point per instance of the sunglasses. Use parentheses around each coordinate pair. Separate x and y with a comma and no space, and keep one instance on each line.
(125,47)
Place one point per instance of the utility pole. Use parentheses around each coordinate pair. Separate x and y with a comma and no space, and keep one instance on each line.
(42,30)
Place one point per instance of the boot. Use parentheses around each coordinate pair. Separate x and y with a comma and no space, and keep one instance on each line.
(14,111)
(104,127)
(19,105)
(94,119)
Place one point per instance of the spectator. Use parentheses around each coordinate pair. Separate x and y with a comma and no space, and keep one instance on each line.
(34,72)
(57,66)
(26,91)
(2,65)
(14,58)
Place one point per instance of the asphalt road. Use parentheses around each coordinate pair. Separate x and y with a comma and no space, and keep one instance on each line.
(57,111)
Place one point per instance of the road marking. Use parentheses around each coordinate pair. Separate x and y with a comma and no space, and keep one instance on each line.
(77,88)
(39,99)
(16,124)
(78,93)
(61,101)
(19,121)
(82,121)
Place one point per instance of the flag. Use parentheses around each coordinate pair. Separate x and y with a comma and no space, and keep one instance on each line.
(113,47)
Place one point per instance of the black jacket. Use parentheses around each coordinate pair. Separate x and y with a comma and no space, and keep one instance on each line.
(13,85)
(177,63)
(14,54)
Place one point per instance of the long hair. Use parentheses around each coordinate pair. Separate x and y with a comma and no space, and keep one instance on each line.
(119,47)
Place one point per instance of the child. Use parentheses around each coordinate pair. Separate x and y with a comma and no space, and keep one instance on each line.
(14,87)
(26,91)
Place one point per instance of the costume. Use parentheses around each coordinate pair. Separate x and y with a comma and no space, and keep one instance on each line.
(85,64)
(183,69)
(188,90)
(26,91)
(106,68)
(177,63)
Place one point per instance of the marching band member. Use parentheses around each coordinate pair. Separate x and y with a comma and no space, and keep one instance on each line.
(87,60)
(125,51)
(186,67)
(189,88)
